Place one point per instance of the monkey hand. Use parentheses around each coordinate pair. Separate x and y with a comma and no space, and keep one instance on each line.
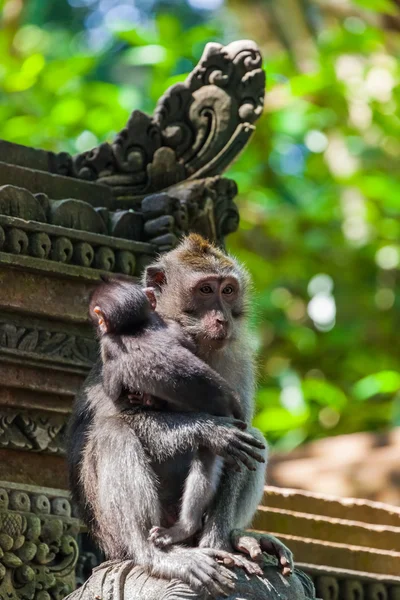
(255,544)
(198,567)
(235,445)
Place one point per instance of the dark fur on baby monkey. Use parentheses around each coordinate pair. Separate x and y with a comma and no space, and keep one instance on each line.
(131,332)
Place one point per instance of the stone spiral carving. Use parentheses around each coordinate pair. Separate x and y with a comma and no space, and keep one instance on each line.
(197,129)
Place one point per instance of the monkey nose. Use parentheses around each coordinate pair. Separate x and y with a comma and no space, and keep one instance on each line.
(221,322)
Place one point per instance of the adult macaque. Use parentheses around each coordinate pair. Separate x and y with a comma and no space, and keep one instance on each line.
(207,293)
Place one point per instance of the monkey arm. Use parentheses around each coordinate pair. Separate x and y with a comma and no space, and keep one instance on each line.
(179,432)
(176,375)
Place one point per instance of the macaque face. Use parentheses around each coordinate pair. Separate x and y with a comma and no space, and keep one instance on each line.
(212,305)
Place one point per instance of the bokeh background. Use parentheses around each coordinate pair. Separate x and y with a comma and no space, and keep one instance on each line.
(319,186)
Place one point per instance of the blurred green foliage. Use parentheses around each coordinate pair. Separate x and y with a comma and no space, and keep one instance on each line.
(319,184)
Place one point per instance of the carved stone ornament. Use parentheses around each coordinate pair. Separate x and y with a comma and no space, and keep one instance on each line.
(198,128)
(38,547)
(37,431)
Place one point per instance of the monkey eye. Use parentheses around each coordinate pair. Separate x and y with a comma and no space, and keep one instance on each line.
(228,289)
(206,289)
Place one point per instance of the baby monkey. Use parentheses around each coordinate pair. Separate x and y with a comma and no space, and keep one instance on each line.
(151,362)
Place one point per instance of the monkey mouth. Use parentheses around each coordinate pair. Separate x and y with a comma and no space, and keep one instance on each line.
(218,339)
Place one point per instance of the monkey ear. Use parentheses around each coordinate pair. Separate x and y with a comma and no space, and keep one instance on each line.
(149,291)
(101,322)
(155,277)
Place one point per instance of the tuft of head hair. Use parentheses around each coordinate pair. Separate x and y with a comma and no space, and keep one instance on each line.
(203,256)
(199,255)
(123,304)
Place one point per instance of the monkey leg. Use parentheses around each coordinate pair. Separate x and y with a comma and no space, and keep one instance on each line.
(235,505)
(126,505)
(200,486)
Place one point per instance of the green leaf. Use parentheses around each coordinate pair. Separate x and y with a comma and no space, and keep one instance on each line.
(308,83)
(137,36)
(384,382)
(324,392)
(382,6)
(279,419)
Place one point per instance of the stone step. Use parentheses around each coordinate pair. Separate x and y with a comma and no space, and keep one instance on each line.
(352,509)
(57,187)
(342,556)
(318,527)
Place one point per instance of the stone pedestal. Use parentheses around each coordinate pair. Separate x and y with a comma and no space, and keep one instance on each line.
(125,580)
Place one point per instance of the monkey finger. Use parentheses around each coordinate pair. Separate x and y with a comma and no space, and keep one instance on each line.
(214,577)
(220,555)
(213,587)
(252,568)
(250,451)
(201,582)
(251,440)
(217,577)
(248,545)
(239,424)
(272,545)
(244,458)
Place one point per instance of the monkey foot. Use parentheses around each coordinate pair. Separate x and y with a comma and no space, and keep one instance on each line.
(237,560)
(255,544)
(162,537)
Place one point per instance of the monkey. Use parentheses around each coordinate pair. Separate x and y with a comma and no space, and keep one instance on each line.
(127,326)
(116,462)
(207,292)
(215,317)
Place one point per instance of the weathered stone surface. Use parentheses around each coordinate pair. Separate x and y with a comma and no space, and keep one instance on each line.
(125,580)
(35,377)
(18,202)
(70,246)
(22,467)
(38,547)
(32,287)
(24,156)
(26,399)
(54,186)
